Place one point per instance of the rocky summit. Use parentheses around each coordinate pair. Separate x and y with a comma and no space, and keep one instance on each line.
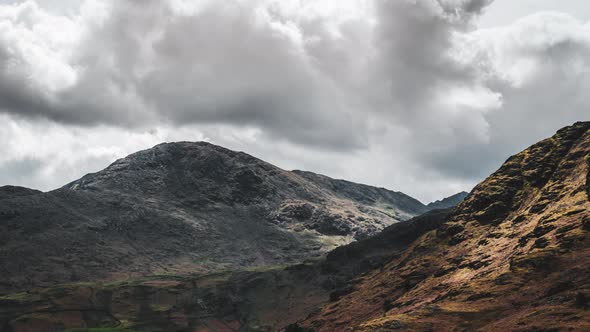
(513,256)
(183,208)
(448,202)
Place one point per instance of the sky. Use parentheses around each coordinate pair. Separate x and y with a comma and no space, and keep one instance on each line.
(427,97)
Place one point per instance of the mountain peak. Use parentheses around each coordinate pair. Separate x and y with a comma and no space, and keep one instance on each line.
(448,202)
(170,164)
(539,166)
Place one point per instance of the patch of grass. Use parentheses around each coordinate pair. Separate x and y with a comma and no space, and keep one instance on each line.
(160,308)
(266,268)
(16,297)
(133,282)
(101,329)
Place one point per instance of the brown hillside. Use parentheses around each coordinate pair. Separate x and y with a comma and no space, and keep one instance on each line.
(514,256)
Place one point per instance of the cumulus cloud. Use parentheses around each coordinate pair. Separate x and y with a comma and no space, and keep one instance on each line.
(540,66)
(407,94)
(152,61)
(297,74)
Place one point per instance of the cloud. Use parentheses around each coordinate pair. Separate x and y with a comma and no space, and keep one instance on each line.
(539,65)
(146,63)
(407,94)
(255,63)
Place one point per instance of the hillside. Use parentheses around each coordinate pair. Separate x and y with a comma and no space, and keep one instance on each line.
(183,208)
(513,256)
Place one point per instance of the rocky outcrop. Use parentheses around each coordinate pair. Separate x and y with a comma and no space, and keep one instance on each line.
(394,201)
(529,171)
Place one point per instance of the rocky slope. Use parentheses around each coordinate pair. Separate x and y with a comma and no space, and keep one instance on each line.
(448,202)
(7,192)
(183,208)
(513,256)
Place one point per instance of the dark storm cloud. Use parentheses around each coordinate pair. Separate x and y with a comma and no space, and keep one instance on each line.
(418,71)
(414,39)
(18,92)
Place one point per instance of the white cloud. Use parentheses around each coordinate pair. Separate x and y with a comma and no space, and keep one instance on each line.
(505,12)
(405,94)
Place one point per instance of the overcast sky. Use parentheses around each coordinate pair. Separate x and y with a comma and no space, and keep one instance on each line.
(423,96)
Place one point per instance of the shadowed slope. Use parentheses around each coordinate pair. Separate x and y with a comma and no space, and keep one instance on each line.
(258,299)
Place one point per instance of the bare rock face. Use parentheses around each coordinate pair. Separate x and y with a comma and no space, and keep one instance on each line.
(183,208)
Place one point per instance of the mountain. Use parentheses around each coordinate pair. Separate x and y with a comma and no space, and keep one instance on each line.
(448,202)
(512,256)
(184,208)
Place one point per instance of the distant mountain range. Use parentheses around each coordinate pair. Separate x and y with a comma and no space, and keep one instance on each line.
(184,208)
(513,256)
